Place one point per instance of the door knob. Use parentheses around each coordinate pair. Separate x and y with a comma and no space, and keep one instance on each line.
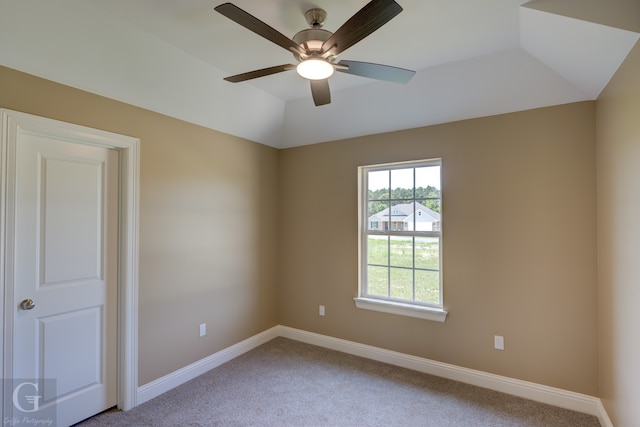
(27,304)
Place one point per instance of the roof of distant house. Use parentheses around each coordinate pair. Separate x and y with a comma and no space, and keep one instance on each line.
(405,210)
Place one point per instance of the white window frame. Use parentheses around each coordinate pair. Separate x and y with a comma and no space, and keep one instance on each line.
(435,312)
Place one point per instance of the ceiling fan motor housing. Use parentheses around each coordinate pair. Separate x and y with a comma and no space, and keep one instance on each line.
(311,40)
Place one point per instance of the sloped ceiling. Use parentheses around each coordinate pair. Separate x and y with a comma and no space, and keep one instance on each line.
(473,58)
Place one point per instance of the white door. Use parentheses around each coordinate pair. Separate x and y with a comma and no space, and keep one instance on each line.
(65,284)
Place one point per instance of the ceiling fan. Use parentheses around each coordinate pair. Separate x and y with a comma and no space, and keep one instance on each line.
(316,49)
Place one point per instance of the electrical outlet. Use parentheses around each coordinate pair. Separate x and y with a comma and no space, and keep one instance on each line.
(203,329)
(321,310)
(498,342)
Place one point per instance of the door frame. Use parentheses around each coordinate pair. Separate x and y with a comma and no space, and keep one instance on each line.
(14,122)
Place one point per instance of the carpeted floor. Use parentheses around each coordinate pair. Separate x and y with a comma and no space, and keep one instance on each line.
(288,383)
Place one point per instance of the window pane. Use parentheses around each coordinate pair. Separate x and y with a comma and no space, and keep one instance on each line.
(378,250)
(401,216)
(431,204)
(402,183)
(427,215)
(378,185)
(428,286)
(401,283)
(378,219)
(427,253)
(378,280)
(424,217)
(428,176)
(401,251)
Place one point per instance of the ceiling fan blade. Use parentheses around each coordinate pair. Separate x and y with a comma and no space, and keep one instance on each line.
(259,73)
(376,71)
(252,23)
(320,92)
(367,20)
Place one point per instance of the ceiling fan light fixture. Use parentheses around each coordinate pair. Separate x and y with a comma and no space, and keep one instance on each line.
(315,69)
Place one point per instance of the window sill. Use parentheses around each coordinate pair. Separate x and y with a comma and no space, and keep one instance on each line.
(427,313)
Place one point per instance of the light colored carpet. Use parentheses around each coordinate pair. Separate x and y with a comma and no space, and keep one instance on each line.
(288,383)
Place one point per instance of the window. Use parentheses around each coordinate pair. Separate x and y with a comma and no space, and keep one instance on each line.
(401,239)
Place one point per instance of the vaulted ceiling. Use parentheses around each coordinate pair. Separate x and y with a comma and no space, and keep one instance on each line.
(473,58)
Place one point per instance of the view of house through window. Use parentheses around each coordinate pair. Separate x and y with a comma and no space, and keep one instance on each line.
(401,232)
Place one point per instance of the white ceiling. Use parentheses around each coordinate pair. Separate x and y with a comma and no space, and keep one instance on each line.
(473,58)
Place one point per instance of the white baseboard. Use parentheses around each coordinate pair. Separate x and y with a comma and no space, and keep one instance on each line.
(528,390)
(605,421)
(161,385)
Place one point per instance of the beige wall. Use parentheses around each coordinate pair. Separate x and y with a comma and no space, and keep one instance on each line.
(519,227)
(614,13)
(618,166)
(207,209)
